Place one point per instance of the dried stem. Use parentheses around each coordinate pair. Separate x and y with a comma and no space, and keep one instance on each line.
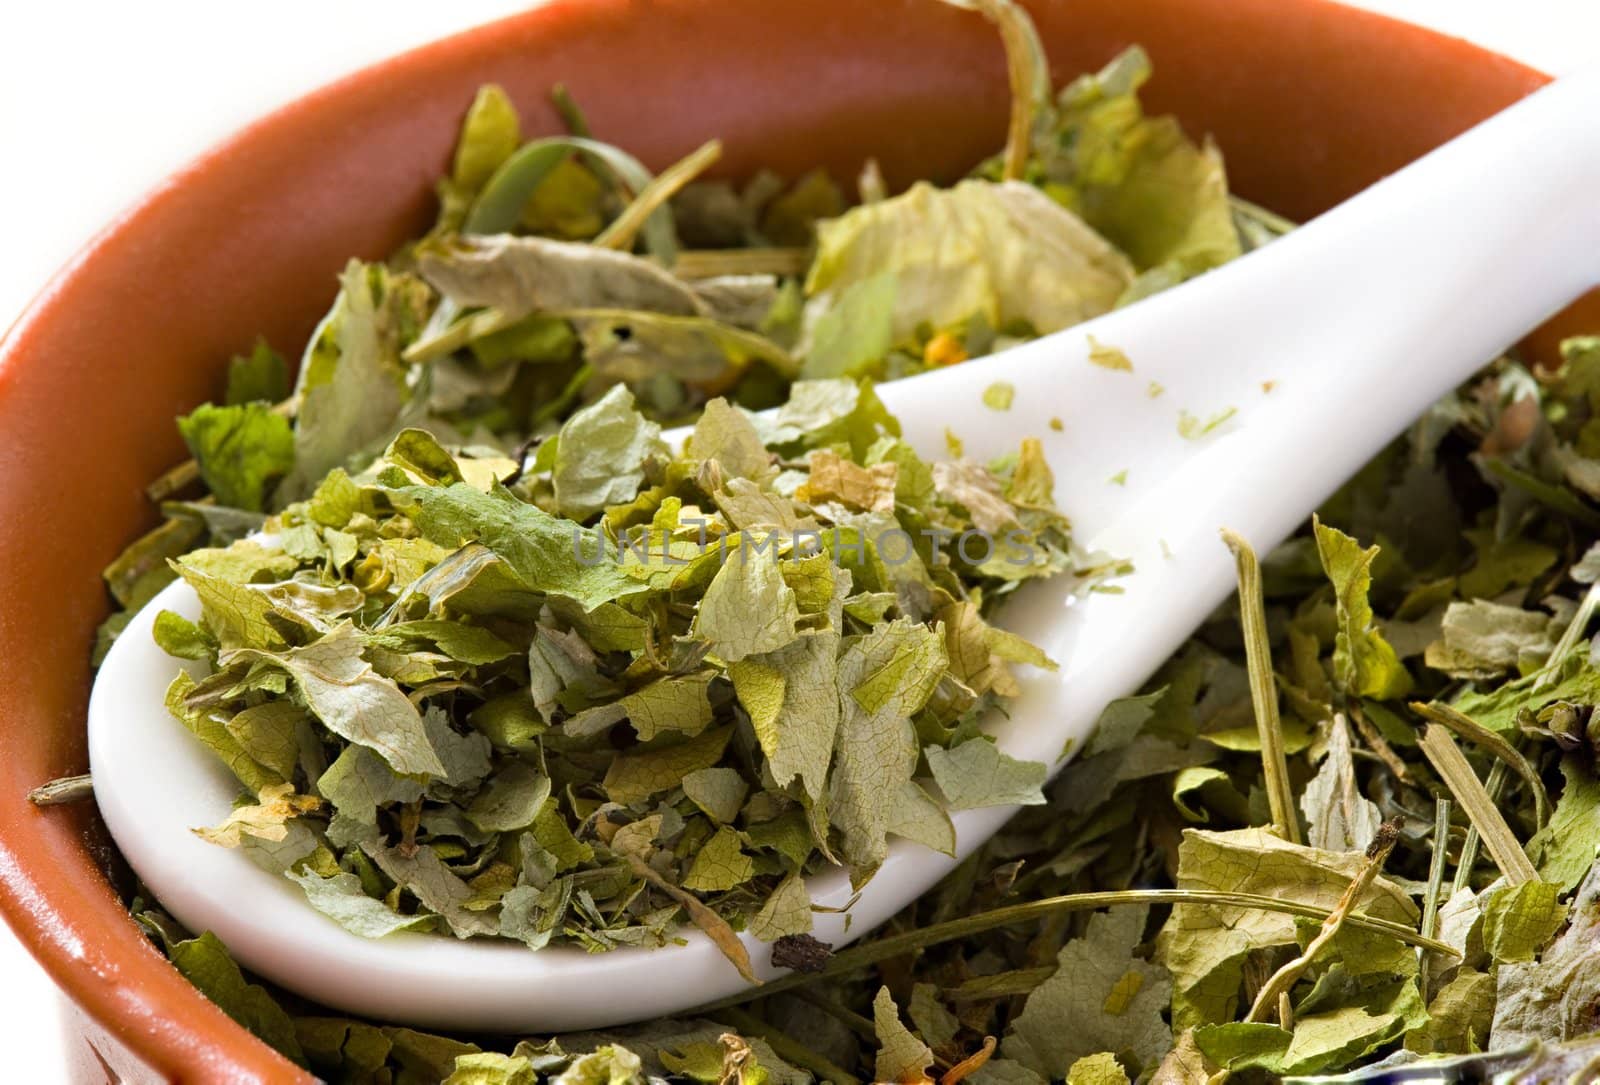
(1263,688)
(715,927)
(1452,766)
(855,1022)
(709,263)
(1569,638)
(894,945)
(67,789)
(626,226)
(1495,785)
(1277,988)
(1467,728)
(1440,860)
(1028,73)
(1379,745)
(1430,899)
(571,116)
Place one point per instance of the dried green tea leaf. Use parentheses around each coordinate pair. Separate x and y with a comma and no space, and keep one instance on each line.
(144,568)
(679,705)
(1564,850)
(612,1064)
(1192,427)
(1138,180)
(424,875)
(178,636)
(490,133)
(836,479)
(636,776)
(793,701)
(901,1056)
(1101,1069)
(210,727)
(1459,1017)
(1108,357)
(359,782)
(239,615)
(638,348)
(787,911)
(908,660)
(1101,998)
(241,451)
(520,275)
(1006,1072)
(1204,946)
(604,455)
(720,792)
(1185,1064)
(1482,639)
(1518,920)
(265,819)
(976,774)
(342,899)
(920,818)
(934,1023)
(262,376)
(856,332)
(1340,1036)
(748,609)
(1338,816)
(352,386)
(346,694)
(511,801)
(1550,999)
(1363,662)
(727,437)
(1244,1044)
(205,962)
(491,1068)
(719,865)
(875,751)
(546,553)
(1003,252)
(471,644)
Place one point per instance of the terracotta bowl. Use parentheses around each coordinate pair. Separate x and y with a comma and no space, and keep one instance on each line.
(1311,102)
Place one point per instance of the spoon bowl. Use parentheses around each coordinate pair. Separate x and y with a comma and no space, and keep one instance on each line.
(1292,366)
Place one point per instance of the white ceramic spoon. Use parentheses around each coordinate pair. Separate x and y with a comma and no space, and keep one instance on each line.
(1356,322)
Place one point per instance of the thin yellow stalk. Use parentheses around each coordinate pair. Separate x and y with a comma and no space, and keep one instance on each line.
(709,263)
(1026,70)
(895,945)
(1453,768)
(1466,727)
(1263,689)
(626,226)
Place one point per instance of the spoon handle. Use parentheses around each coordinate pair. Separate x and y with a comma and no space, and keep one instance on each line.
(1324,345)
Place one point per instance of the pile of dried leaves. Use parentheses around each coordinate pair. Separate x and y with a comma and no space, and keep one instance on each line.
(568,701)
(1382,860)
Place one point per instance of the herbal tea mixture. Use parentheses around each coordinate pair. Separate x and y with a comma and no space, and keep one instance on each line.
(490,658)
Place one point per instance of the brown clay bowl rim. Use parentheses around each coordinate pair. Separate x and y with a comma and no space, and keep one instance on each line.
(126,990)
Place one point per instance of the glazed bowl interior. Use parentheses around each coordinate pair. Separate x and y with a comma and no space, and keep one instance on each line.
(1310,102)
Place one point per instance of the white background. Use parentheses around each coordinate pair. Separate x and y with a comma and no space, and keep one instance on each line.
(99,100)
